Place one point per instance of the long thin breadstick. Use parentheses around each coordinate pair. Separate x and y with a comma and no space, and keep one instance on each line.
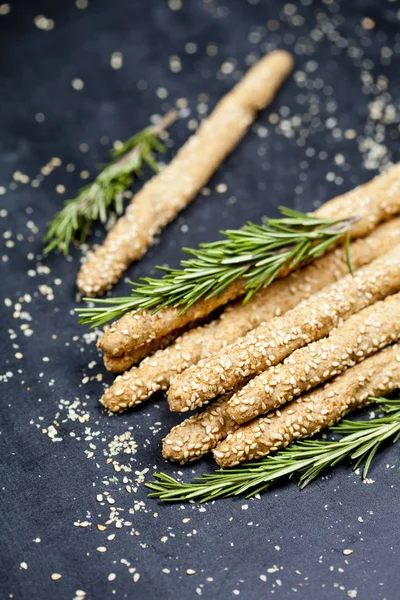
(357,338)
(380,196)
(373,203)
(200,433)
(270,343)
(118,364)
(166,194)
(156,372)
(320,408)
(121,337)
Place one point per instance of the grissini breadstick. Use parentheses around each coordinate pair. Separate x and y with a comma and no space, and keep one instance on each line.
(118,364)
(270,343)
(121,337)
(377,375)
(357,338)
(373,203)
(166,194)
(200,433)
(381,196)
(156,372)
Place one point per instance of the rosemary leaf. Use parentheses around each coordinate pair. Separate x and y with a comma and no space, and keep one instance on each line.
(105,194)
(307,459)
(256,254)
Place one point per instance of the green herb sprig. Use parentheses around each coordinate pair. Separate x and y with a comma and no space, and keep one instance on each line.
(307,459)
(255,253)
(105,194)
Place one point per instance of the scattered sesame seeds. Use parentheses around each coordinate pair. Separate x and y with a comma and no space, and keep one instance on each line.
(175,64)
(44,23)
(191,48)
(5,8)
(77,84)
(117,60)
(162,93)
(175,5)
(227,67)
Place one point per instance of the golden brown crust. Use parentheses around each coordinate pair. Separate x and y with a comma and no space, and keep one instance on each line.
(199,434)
(119,364)
(157,372)
(270,343)
(133,330)
(381,196)
(377,375)
(374,202)
(360,336)
(167,193)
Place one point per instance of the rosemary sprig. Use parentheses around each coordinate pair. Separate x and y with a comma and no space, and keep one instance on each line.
(255,253)
(307,459)
(105,194)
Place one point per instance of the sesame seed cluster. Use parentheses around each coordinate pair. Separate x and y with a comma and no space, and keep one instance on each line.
(360,336)
(270,343)
(157,371)
(166,194)
(316,410)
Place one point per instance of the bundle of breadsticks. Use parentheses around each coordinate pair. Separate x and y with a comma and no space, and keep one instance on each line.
(313,345)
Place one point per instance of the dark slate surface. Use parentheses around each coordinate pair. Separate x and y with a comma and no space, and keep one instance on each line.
(332,127)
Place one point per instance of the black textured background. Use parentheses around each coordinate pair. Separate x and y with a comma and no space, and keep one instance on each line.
(294,538)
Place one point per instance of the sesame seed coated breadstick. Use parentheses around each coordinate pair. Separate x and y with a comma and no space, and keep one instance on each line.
(200,433)
(357,338)
(170,191)
(118,364)
(157,371)
(377,375)
(381,196)
(374,202)
(270,343)
(124,335)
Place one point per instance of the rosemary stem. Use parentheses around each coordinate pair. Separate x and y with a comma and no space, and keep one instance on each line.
(255,254)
